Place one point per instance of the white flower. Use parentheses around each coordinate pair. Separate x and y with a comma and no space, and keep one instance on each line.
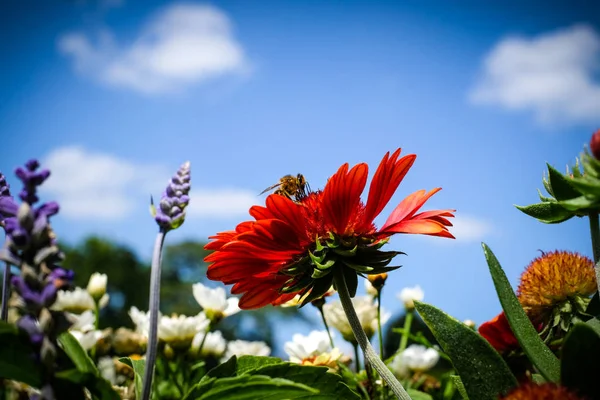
(97,285)
(370,288)
(214,302)
(416,358)
(365,308)
(106,366)
(179,330)
(83,322)
(77,301)
(88,339)
(313,349)
(141,320)
(409,295)
(214,345)
(244,348)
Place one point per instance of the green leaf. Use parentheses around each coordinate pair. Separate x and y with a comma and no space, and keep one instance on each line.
(251,387)
(99,387)
(417,395)
(16,356)
(562,187)
(578,203)
(139,367)
(580,361)
(537,378)
(537,352)
(315,377)
(246,364)
(77,354)
(483,372)
(459,386)
(594,323)
(549,213)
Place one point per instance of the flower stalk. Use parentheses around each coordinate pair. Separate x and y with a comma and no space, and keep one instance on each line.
(5,291)
(153,307)
(370,356)
(407,324)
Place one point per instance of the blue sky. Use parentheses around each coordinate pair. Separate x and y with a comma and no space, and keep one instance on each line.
(115,95)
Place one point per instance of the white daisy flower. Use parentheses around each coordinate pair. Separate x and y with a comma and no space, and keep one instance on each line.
(409,295)
(97,285)
(214,302)
(365,308)
(178,331)
(77,301)
(416,358)
(244,348)
(214,345)
(313,349)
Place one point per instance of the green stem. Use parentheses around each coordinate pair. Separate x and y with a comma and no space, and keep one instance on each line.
(595,233)
(407,323)
(370,356)
(203,340)
(326,326)
(154,305)
(379,333)
(5,291)
(356,358)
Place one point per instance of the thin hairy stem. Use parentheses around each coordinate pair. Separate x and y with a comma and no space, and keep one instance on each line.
(153,306)
(370,356)
(326,326)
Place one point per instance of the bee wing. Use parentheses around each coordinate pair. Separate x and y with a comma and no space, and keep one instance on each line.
(270,188)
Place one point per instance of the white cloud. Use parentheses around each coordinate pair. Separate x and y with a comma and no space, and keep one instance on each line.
(554,75)
(219,203)
(469,228)
(184,44)
(99,186)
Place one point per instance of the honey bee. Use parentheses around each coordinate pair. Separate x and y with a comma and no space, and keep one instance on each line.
(292,187)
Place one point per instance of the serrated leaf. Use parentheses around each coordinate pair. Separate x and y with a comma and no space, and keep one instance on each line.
(562,187)
(580,355)
(483,372)
(139,368)
(16,357)
(459,386)
(531,343)
(77,354)
(549,213)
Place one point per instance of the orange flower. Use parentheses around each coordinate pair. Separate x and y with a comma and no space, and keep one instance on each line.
(546,391)
(293,246)
(553,280)
(498,333)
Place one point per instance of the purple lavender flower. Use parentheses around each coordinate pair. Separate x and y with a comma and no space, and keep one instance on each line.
(171,209)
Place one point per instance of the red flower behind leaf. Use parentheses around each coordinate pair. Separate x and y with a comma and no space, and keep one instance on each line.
(499,334)
(293,246)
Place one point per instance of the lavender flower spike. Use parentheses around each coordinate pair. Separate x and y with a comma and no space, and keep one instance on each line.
(169,215)
(8,208)
(171,209)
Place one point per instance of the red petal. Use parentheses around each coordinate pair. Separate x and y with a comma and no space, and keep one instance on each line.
(386,180)
(408,207)
(288,211)
(499,334)
(341,195)
(418,226)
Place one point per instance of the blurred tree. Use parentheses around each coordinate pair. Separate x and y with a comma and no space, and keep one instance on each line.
(128,277)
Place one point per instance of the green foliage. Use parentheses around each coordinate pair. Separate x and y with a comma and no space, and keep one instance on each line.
(537,351)
(138,366)
(85,372)
(271,378)
(580,367)
(16,356)
(483,372)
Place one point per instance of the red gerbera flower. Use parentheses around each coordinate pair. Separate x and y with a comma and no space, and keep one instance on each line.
(293,246)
